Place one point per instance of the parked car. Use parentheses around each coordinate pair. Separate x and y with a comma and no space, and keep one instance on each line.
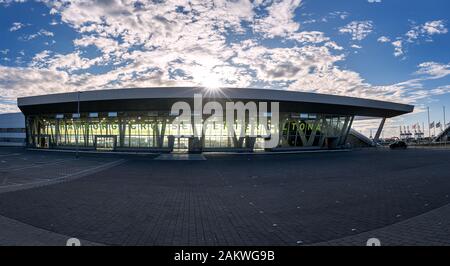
(399,144)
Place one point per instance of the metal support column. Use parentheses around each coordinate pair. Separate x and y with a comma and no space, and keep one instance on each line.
(380,128)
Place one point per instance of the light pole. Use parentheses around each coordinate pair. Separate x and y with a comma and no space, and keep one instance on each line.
(445,127)
(429,129)
(79,122)
(443,109)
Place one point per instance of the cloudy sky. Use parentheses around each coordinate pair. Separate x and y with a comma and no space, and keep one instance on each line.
(391,50)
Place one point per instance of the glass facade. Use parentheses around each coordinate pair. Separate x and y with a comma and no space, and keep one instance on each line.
(156,131)
(314,130)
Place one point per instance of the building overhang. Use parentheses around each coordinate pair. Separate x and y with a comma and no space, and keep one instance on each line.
(162,98)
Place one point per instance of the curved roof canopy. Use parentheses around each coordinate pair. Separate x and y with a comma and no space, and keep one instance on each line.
(161,98)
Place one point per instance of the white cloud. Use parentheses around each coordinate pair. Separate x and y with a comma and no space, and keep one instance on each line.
(16,26)
(280,19)
(434,27)
(68,62)
(309,37)
(412,34)
(39,57)
(341,14)
(390,128)
(41,32)
(426,30)
(53,11)
(54,23)
(416,34)
(28,81)
(8,2)
(104,44)
(434,70)
(374,1)
(398,48)
(333,45)
(383,39)
(358,29)
(8,108)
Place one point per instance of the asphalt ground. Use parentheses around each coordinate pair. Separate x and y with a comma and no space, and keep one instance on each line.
(282,199)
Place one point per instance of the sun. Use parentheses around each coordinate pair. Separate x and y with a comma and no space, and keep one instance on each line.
(212,81)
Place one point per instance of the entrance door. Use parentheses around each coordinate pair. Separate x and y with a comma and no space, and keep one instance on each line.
(181,145)
(106,143)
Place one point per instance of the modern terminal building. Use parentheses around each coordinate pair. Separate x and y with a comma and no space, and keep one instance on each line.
(140,119)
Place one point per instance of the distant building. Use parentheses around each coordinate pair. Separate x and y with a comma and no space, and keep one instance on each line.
(12,129)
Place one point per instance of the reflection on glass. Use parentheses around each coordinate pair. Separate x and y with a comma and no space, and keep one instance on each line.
(151,130)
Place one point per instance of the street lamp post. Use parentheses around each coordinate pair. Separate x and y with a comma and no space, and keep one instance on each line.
(429,129)
(444,128)
(79,122)
(445,122)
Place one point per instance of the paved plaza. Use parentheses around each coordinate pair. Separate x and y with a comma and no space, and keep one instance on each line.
(330,198)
